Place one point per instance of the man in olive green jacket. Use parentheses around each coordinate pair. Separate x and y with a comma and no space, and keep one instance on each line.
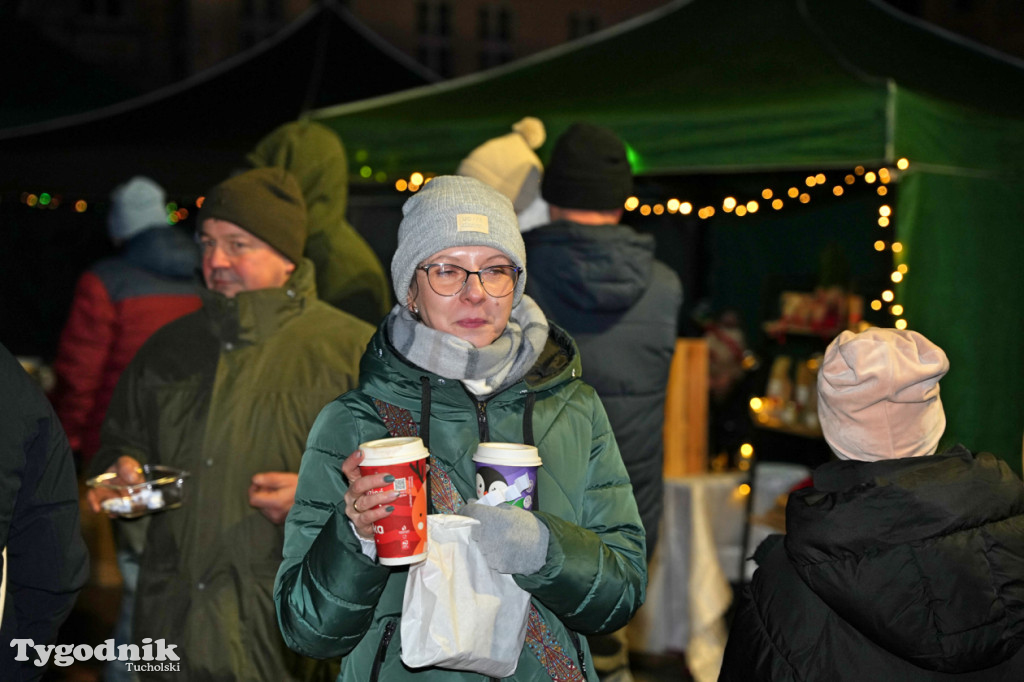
(228,393)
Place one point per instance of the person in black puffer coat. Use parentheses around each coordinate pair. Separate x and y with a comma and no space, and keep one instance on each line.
(898,563)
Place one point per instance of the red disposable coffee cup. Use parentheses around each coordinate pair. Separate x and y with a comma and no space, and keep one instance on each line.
(401,537)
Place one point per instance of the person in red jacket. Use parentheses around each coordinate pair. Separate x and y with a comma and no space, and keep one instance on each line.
(118,303)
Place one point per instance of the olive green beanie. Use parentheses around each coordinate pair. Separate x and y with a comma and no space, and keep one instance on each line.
(266,202)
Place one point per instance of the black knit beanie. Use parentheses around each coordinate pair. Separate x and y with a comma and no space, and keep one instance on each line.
(588,170)
(266,202)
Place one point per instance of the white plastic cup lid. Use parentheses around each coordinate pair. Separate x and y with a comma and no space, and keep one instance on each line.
(386,451)
(507,454)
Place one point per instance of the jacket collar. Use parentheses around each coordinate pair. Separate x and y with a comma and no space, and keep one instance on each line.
(250,317)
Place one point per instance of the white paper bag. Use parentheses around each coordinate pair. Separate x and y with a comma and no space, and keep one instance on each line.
(457,612)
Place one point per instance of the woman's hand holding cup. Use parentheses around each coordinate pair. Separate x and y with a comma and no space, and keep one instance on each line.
(363,507)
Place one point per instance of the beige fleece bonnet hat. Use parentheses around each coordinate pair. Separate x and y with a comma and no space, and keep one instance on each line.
(878,395)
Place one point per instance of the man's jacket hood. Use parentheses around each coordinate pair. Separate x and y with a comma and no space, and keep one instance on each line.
(349,274)
(591,267)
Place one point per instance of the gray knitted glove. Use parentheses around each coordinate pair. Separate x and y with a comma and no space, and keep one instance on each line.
(511,539)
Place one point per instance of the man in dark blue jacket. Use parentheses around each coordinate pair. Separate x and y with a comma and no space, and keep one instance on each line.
(600,281)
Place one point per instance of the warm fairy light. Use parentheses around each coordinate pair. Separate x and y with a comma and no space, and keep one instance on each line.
(632,203)
(820,178)
(810,181)
(416,179)
(413,187)
(876,304)
(903,164)
(901,324)
(805,198)
(884,210)
(710,211)
(743,489)
(869,177)
(686,208)
(746,451)
(859,170)
(896,277)
(752,206)
(728,204)
(883,175)
(673,205)
(883,222)
(658,209)
(897,247)
(902,268)
(793,192)
(879,245)
(199,201)
(32,200)
(645,209)
(741,210)
(849,179)
(838,190)
(897,309)
(81,205)
(401,185)
(776,204)
(756,404)
(887,296)
(882,190)
(766,194)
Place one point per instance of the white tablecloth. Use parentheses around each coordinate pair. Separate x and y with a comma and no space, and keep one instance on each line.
(697,557)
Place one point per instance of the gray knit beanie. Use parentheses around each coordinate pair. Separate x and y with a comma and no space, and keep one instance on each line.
(136,206)
(453,210)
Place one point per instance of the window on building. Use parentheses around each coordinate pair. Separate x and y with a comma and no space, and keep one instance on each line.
(433,35)
(495,32)
(583,22)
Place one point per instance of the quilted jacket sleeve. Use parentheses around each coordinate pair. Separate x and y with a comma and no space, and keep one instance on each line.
(595,575)
(326,590)
(82,355)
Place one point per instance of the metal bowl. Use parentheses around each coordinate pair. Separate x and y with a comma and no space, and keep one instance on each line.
(163,489)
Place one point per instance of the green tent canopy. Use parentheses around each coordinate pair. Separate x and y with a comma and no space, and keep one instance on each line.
(731,86)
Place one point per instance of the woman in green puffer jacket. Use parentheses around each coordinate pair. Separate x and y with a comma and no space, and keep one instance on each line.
(467,359)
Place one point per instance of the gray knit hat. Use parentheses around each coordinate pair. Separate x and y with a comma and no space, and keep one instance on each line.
(453,210)
(136,206)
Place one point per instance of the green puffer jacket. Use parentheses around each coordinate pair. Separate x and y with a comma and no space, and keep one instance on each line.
(226,392)
(332,600)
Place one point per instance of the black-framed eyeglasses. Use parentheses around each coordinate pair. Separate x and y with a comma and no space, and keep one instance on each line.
(448,280)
